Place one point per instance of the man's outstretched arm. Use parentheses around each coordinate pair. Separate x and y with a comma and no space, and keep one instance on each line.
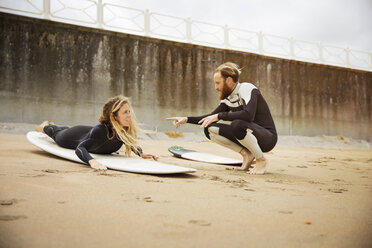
(197,119)
(178,121)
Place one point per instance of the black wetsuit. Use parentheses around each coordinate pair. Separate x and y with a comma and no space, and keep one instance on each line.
(246,108)
(85,139)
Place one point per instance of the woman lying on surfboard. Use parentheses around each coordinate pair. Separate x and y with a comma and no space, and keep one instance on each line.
(116,128)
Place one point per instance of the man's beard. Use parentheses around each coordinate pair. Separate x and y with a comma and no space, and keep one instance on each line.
(225,92)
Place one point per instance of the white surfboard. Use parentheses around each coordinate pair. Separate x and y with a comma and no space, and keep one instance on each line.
(111,161)
(181,152)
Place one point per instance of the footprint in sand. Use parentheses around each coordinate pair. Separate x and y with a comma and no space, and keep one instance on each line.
(38,175)
(317,163)
(301,166)
(215,178)
(50,171)
(338,180)
(200,222)
(154,181)
(328,158)
(249,190)
(108,174)
(12,217)
(274,181)
(8,202)
(321,161)
(285,212)
(314,182)
(348,160)
(240,183)
(148,199)
(337,190)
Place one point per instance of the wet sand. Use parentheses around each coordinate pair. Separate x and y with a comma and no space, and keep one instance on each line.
(310,197)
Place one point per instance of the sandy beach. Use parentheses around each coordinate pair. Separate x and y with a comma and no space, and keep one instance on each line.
(310,197)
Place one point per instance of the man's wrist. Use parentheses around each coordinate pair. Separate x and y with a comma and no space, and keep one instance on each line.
(221,115)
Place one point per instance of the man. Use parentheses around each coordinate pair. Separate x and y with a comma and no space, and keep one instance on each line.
(251,131)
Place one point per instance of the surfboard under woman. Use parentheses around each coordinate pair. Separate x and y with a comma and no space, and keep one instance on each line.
(117,128)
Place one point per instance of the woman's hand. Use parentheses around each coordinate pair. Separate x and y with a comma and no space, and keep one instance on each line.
(97,165)
(206,121)
(178,121)
(149,156)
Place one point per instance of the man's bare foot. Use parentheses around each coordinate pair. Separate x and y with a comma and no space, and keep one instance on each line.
(247,159)
(260,168)
(40,128)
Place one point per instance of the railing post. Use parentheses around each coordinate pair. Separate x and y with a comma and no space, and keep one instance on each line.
(99,14)
(291,48)
(347,57)
(188,30)
(226,37)
(46,5)
(260,42)
(147,22)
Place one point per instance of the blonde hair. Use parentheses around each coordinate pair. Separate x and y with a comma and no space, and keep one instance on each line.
(126,134)
(229,69)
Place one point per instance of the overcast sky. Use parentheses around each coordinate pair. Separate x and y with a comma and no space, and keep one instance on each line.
(345,23)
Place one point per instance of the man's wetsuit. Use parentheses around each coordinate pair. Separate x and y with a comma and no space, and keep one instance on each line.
(248,111)
(85,139)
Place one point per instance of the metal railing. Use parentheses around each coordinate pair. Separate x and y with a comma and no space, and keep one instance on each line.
(105,14)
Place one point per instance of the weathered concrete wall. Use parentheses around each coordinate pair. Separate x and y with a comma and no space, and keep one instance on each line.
(65,73)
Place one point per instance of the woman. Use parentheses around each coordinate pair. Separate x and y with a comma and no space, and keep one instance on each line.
(116,128)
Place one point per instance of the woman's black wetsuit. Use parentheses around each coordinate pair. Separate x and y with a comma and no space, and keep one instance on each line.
(85,139)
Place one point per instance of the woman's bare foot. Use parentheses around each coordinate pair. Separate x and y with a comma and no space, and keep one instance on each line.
(40,128)
(97,165)
(247,159)
(260,168)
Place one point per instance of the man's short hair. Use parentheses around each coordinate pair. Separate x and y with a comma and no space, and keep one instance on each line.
(229,69)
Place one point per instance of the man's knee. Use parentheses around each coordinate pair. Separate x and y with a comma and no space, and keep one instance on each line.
(206,132)
(239,129)
(209,130)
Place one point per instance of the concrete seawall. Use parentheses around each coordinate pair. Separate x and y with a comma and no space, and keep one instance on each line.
(65,73)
